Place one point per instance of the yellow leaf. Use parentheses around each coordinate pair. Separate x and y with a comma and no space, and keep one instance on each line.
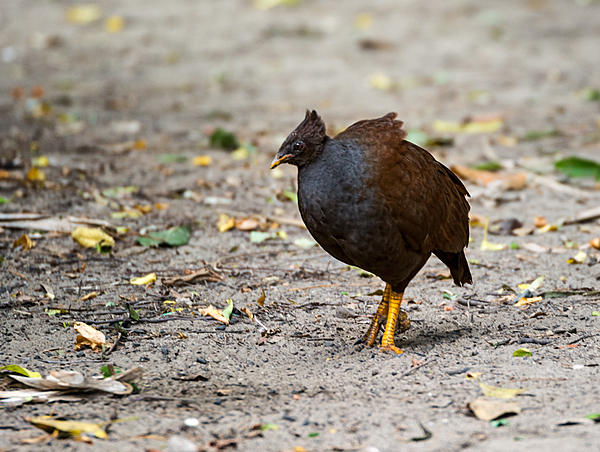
(489,246)
(21,370)
(84,14)
(88,335)
(214,313)
(526,301)
(144,208)
(240,154)
(143,280)
(547,228)
(114,24)
(534,285)
(225,223)
(248,312)
(161,206)
(202,160)
(36,175)
(89,296)
(140,145)
(126,214)
(71,428)
(479,126)
(261,299)
(25,242)
(363,21)
(381,82)
(92,237)
(500,393)
(579,258)
(473,375)
(40,162)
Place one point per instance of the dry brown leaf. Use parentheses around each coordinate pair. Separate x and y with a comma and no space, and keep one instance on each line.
(261,299)
(539,222)
(595,243)
(88,335)
(248,312)
(488,410)
(89,296)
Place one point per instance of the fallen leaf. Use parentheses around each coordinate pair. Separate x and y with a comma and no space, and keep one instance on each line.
(221,138)
(579,258)
(114,24)
(261,299)
(175,236)
(69,428)
(259,236)
(143,280)
(268,4)
(20,370)
(88,335)
(489,246)
(89,296)
(595,243)
(473,375)
(214,313)
(228,310)
(474,126)
(83,14)
(363,21)
(500,393)
(225,223)
(508,181)
(527,301)
(36,175)
(248,312)
(578,167)
(246,224)
(92,238)
(381,82)
(488,410)
(304,242)
(521,352)
(40,162)
(24,242)
(202,160)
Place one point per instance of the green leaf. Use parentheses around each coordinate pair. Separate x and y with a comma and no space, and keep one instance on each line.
(107,371)
(313,434)
(269,426)
(304,242)
(499,422)
(223,139)
(4,200)
(229,309)
(514,246)
(171,158)
(591,94)
(594,417)
(449,295)
(119,192)
(133,314)
(578,167)
(596,313)
(489,166)
(291,195)
(15,368)
(175,236)
(522,352)
(259,236)
(533,135)
(345,293)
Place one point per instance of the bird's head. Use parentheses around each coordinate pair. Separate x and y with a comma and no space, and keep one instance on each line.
(304,144)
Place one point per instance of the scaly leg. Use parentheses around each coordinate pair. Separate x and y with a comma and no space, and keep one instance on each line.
(387,342)
(371,335)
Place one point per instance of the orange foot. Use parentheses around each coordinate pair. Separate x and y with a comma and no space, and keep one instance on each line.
(391,348)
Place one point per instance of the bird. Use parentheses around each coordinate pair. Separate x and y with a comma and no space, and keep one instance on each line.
(376,201)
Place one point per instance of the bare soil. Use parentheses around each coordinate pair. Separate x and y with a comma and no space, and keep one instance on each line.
(179,69)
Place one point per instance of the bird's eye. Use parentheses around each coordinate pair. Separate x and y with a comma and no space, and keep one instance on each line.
(298,146)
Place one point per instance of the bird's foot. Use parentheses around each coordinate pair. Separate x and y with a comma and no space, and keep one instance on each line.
(390,348)
(371,335)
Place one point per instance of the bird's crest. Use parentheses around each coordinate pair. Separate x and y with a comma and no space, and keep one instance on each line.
(311,129)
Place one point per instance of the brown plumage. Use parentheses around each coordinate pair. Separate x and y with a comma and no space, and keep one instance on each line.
(376,201)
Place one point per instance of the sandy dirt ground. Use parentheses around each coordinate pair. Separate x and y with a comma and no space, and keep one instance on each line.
(135,106)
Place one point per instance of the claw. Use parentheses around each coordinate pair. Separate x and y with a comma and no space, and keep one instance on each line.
(391,348)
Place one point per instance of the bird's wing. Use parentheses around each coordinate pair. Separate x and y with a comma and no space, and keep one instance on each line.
(423,198)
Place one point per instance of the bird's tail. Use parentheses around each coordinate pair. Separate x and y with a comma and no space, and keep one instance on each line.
(458,265)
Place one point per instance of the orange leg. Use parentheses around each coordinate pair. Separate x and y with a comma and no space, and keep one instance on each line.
(371,335)
(387,342)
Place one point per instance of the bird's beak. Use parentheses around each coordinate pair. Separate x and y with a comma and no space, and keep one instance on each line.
(279,160)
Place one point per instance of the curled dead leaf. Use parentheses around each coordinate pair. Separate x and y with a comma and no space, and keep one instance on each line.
(88,335)
(488,410)
(214,313)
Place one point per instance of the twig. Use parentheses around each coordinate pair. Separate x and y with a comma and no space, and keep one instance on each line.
(113,346)
(532,340)
(585,336)
(413,369)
